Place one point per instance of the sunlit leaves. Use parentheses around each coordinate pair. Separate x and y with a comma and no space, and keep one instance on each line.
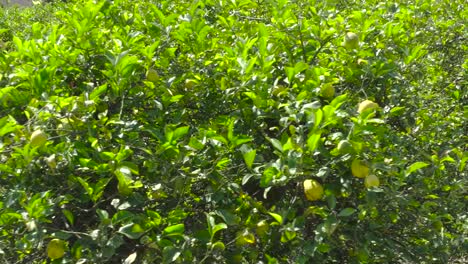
(203,161)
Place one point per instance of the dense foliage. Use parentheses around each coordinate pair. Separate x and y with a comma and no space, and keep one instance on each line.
(183,131)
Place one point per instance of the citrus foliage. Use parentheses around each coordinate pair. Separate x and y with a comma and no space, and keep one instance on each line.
(183,131)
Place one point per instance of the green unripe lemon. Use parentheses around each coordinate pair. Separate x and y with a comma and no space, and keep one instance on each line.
(327,90)
(351,41)
(245,238)
(313,190)
(218,246)
(344,147)
(38,138)
(56,248)
(437,225)
(359,169)
(51,161)
(189,83)
(124,189)
(366,105)
(262,228)
(152,75)
(371,181)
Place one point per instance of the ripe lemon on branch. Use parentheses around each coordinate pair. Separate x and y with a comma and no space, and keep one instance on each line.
(359,168)
(313,190)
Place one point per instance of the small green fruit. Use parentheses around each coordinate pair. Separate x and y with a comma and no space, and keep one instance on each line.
(51,161)
(262,228)
(437,224)
(56,248)
(152,75)
(366,105)
(189,83)
(327,90)
(351,41)
(362,62)
(124,189)
(219,246)
(313,190)
(38,138)
(371,181)
(345,147)
(244,238)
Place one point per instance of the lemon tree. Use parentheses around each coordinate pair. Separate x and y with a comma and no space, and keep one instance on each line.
(233,131)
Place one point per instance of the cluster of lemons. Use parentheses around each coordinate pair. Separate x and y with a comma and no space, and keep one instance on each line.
(56,247)
(314,190)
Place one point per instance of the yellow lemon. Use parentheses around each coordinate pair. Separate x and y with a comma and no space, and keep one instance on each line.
(366,105)
(371,181)
(56,248)
(313,190)
(38,138)
(351,41)
(359,169)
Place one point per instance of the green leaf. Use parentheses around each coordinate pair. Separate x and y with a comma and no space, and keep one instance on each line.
(249,158)
(415,166)
(170,254)
(219,227)
(69,215)
(347,212)
(338,101)
(228,217)
(288,236)
(132,231)
(268,176)
(239,140)
(313,140)
(97,92)
(85,185)
(300,67)
(277,217)
(175,229)
(276,143)
(180,132)
(318,117)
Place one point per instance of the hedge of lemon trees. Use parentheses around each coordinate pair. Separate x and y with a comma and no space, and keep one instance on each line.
(234,132)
